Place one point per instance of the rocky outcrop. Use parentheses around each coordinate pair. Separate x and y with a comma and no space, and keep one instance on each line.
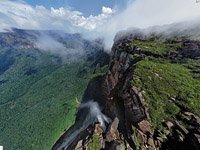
(190,49)
(129,102)
(129,126)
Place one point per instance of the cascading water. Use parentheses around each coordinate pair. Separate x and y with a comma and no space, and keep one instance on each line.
(88,114)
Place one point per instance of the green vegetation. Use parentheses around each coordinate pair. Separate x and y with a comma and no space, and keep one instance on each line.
(156,47)
(95,143)
(166,84)
(39,99)
(134,137)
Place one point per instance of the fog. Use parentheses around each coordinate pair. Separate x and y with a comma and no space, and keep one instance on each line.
(60,46)
(143,14)
(137,14)
(93,116)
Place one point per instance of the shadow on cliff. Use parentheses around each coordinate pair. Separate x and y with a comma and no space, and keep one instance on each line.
(89,113)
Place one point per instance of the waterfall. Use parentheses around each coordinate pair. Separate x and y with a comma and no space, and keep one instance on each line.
(94,115)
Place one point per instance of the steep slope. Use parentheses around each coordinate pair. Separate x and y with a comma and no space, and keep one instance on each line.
(165,75)
(40,90)
(151,98)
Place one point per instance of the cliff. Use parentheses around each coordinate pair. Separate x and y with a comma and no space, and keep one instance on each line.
(149,98)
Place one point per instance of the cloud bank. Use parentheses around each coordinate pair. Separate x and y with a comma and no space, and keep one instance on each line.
(138,13)
(22,15)
(146,13)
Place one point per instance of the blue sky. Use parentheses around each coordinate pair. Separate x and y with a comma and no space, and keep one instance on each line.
(87,7)
(106,20)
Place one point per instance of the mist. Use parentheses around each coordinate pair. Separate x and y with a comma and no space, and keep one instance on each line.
(141,14)
(95,113)
(58,46)
(93,116)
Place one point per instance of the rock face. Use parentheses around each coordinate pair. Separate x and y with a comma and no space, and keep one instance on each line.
(128,100)
(129,125)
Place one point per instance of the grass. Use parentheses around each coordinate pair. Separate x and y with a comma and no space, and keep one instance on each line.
(156,47)
(36,108)
(95,143)
(161,80)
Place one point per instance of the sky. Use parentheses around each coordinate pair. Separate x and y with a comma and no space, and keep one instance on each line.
(94,18)
(87,7)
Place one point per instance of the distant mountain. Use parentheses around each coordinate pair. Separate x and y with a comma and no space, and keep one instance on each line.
(43,75)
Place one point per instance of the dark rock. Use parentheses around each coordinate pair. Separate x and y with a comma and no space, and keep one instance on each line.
(121,92)
(192,141)
(190,49)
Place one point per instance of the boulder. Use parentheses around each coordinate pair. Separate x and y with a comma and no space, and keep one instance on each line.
(168,124)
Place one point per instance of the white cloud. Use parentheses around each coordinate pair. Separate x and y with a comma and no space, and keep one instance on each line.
(22,15)
(139,13)
(106,10)
(145,13)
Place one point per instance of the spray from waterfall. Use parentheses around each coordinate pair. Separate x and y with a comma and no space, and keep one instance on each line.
(94,115)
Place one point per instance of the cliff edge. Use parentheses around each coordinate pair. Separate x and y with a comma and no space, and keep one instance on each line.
(148,99)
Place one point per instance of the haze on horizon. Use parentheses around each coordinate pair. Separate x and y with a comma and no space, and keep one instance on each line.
(110,19)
